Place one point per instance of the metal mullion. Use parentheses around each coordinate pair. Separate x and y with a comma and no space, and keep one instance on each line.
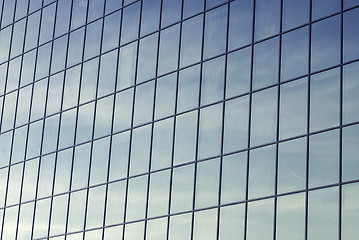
(28,126)
(153,119)
(278,125)
(198,120)
(174,124)
(223,122)
(249,122)
(132,117)
(94,115)
(341,122)
(45,112)
(308,122)
(113,116)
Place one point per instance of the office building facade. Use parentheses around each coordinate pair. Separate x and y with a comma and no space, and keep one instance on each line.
(179,119)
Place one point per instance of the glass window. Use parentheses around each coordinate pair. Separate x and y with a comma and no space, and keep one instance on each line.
(188,88)
(130,21)
(10,222)
(38,99)
(147,58)
(123,110)
(295,54)
(234,178)
(13,74)
(325,43)
(215,33)
(76,211)
(262,172)
(295,13)
(21,9)
(136,199)
(165,96)
(58,214)
(30,180)
(191,40)
(9,108)
(322,9)
(171,12)
(67,128)
(351,35)
(115,205)
(71,88)
(293,108)
(212,81)
(240,23)
(32,30)
(7,16)
(75,47)
(41,223)
(140,150)
(323,214)
(59,54)
(81,164)
(17,41)
(84,126)
(265,61)
(231,222)
(205,225)
(47,23)
(350,153)
(14,184)
(54,94)
(62,17)
(350,93)
(292,168)
(324,100)
(185,138)
(93,39)
(46,176)
(25,217)
(158,193)
(191,7)
(180,227)
(291,217)
(157,229)
(210,131)
(18,149)
(349,3)
(150,16)
(5,35)
(162,144)
(43,61)
(267,18)
(5,147)
(236,124)
(95,207)
(324,158)
(119,155)
(264,117)
(95,10)
(144,103)
(34,5)
(260,216)
(127,65)
(34,139)
(207,183)
(89,80)
(168,52)
(238,72)
(134,231)
(112,5)
(79,10)
(103,121)
(93,235)
(99,161)
(182,188)
(111,30)
(63,171)
(350,211)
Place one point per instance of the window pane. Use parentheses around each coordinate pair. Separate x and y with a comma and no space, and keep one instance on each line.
(85,122)
(159,194)
(42,214)
(165,96)
(260,216)
(79,10)
(188,88)
(150,16)
(38,99)
(63,171)
(26,216)
(157,229)
(324,100)
(115,203)
(295,13)
(351,35)
(62,17)
(191,7)
(267,21)
(144,103)
(34,139)
(180,227)
(47,23)
(162,144)
(136,199)
(54,94)
(168,53)
(75,47)
(134,231)
(350,93)
(58,215)
(147,58)
(99,161)
(323,214)
(171,12)
(81,166)
(292,168)
(324,158)
(182,188)
(46,176)
(17,38)
(350,153)
(231,222)
(59,54)
(325,43)
(262,172)
(130,21)
(107,76)
(140,150)
(123,110)
(67,129)
(71,88)
(95,207)
(291,217)
(111,30)
(127,64)
(119,155)
(293,108)
(264,117)
(323,9)
(76,211)
(212,81)
(93,39)
(30,179)
(205,225)
(350,211)
(103,120)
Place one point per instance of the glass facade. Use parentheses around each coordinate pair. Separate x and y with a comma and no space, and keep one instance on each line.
(179,119)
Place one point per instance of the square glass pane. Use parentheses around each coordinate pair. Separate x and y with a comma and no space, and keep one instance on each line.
(157,229)
(231,222)
(295,13)
(205,225)
(191,7)
(134,231)
(180,227)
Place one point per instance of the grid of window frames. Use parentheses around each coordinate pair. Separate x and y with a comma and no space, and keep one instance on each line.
(179,119)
